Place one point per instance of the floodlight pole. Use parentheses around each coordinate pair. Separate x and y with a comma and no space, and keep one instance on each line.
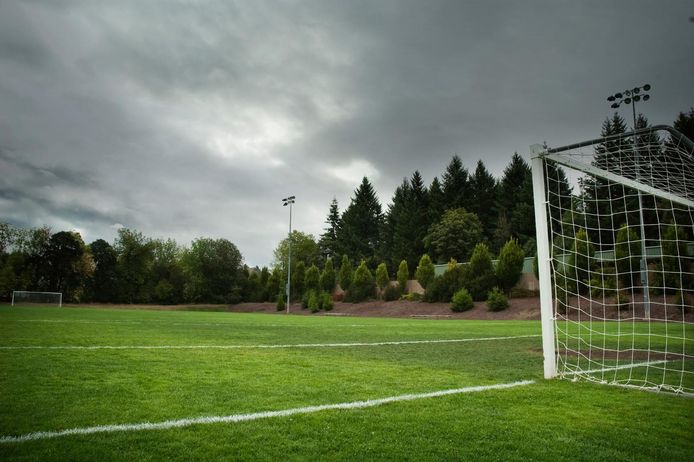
(631,97)
(289,201)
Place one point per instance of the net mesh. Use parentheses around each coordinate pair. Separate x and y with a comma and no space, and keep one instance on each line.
(621,227)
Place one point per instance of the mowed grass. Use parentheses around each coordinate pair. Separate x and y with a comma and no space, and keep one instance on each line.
(57,389)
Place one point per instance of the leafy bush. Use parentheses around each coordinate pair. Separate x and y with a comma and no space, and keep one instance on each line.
(312,279)
(363,285)
(326,301)
(442,288)
(403,275)
(479,273)
(346,273)
(382,277)
(392,292)
(623,300)
(496,300)
(510,265)
(281,305)
(461,301)
(425,271)
(327,277)
(412,297)
(313,304)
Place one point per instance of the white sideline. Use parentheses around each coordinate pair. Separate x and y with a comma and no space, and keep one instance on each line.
(230,347)
(253,416)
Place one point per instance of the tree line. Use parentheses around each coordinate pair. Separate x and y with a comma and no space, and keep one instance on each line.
(445,221)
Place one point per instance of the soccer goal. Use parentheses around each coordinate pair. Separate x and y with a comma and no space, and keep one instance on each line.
(23,297)
(615,237)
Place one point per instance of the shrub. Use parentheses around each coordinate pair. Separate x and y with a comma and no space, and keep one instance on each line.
(281,305)
(363,285)
(326,301)
(510,265)
(479,273)
(346,273)
(313,304)
(425,271)
(403,275)
(461,301)
(312,279)
(298,275)
(496,300)
(413,297)
(327,277)
(382,278)
(442,288)
(623,300)
(392,292)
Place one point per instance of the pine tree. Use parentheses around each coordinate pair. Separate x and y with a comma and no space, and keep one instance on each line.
(346,273)
(456,185)
(328,240)
(483,187)
(515,199)
(436,203)
(360,228)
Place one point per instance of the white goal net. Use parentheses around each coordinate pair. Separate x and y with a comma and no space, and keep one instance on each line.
(23,297)
(615,224)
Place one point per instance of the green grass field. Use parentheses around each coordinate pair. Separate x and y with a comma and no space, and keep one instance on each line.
(220,364)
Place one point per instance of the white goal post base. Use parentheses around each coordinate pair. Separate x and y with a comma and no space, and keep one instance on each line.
(25,297)
(615,240)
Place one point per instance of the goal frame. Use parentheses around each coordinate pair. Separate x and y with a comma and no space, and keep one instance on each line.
(59,294)
(539,155)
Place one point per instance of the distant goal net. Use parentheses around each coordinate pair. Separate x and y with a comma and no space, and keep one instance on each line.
(615,231)
(23,297)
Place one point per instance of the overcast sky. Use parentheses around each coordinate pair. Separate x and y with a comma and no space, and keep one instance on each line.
(193,119)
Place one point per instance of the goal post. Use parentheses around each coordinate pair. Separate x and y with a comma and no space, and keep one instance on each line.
(25,297)
(615,239)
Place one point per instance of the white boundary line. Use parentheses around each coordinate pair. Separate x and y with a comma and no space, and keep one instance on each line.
(233,347)
(168,424)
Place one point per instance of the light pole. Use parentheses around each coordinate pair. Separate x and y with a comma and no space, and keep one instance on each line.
(289,201)
(631,97)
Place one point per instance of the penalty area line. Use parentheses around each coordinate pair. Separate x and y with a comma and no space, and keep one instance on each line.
(169,424)
(261,346)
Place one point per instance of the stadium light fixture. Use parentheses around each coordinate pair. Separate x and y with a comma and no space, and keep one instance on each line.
(632,97)
(288,201)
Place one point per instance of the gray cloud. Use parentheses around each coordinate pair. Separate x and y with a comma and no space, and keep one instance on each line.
(185,120)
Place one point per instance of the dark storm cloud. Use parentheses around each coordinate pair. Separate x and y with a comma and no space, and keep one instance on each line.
(190,119)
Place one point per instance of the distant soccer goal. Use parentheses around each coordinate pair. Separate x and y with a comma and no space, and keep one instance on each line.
(615,233)
(22,297)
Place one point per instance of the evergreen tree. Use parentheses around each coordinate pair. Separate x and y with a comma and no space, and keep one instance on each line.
(407,222)
(403,275)
(327,243)
(345,276)
(456,185)
(359,231)
(515,199)
(382,277)
(327,277)
(479,273)
(312,279)
(510,265)
(363,285)
(298,277)
(436,202)
(685,124)
(425,271)
(393,242)
(483,187)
